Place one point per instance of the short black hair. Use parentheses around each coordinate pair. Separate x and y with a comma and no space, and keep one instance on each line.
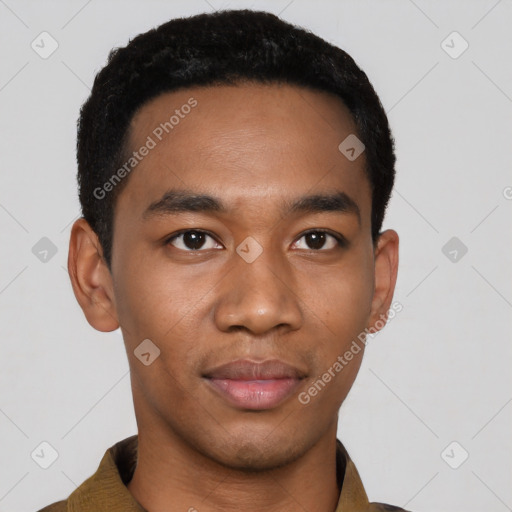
(227,47)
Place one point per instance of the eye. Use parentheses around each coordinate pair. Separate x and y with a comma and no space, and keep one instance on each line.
(320,240)
(193,240)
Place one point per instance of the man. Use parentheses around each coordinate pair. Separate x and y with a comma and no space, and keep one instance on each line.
(234,171)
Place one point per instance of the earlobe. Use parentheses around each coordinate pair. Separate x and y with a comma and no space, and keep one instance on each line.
(386,269)
(91,278)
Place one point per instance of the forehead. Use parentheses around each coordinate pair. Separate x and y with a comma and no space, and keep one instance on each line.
(249,142)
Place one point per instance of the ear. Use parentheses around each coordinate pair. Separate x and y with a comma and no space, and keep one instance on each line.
(91,278)
(386,268)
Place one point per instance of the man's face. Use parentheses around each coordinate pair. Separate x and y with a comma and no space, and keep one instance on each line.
(256,149)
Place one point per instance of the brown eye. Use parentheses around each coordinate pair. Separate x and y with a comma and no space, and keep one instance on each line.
(319,241)
(192,240)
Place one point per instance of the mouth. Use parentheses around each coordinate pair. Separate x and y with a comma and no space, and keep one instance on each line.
(254,386)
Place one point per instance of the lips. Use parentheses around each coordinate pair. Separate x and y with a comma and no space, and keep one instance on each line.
(243,369)
(254,385)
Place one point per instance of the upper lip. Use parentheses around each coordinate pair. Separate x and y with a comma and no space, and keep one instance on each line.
(244,369)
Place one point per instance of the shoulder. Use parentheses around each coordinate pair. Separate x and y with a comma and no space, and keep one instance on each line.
(59,506)
(382,507)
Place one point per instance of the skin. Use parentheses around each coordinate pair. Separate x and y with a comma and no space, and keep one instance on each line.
(250,146)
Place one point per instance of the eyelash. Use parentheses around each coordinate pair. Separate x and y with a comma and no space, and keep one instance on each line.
(341,241)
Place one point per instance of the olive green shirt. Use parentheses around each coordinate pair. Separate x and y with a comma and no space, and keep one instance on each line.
(106,490)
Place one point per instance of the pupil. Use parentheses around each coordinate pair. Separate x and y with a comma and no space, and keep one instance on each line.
(193,239)
(315,240)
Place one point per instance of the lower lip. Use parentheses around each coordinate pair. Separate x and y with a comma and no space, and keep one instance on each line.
(255,394)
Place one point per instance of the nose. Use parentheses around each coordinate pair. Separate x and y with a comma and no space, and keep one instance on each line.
(258,297)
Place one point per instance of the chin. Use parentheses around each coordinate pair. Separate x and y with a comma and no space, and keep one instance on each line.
(260,456)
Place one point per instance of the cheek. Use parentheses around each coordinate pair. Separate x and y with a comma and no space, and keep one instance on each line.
(155,306)
(167,305)
(151,301)
(339,310)
(341,299)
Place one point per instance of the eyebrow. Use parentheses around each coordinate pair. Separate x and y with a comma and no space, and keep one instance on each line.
(182,200)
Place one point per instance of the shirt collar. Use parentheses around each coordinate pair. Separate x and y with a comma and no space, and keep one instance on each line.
(106,490)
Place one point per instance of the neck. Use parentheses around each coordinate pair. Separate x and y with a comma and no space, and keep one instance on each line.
(173,476)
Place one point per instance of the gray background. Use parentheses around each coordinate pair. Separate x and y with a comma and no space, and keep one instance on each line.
(438,373)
